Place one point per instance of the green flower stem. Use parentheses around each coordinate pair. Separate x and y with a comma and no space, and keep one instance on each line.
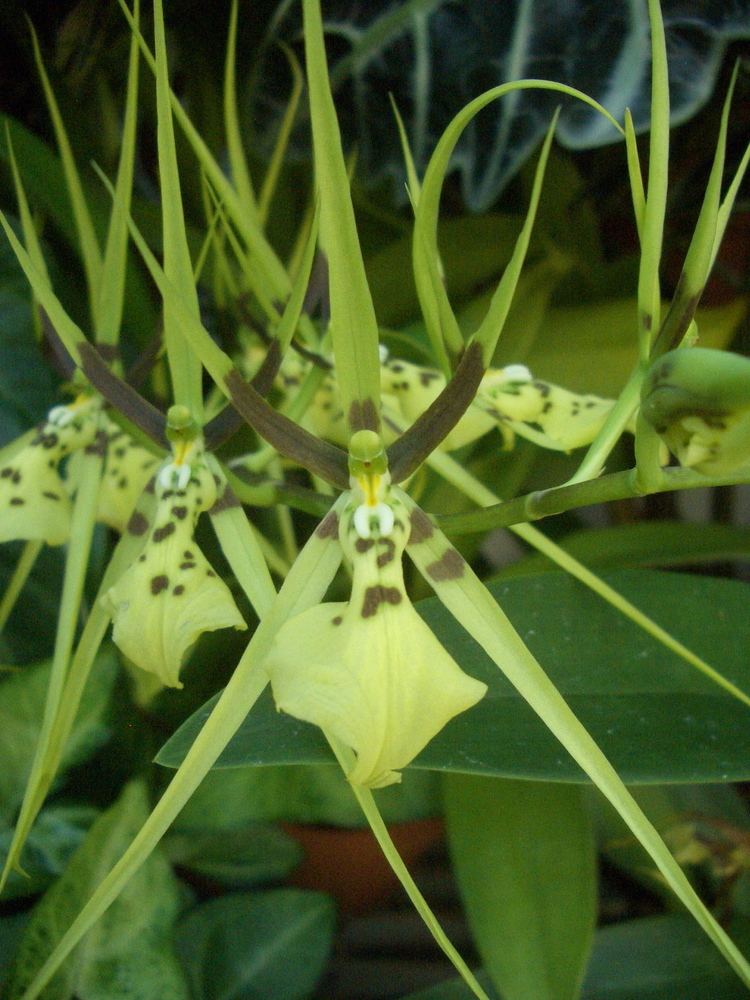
(559,499)
(18,579)
(366,801)
(600,448)
(478,492)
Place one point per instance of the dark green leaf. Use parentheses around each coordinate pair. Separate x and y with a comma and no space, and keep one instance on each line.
(22,697)
(656,718)
(524,856)
(433,56)
(657,958)
(240,858)
(661,958)
(242,947)
(56,834)
(128,954)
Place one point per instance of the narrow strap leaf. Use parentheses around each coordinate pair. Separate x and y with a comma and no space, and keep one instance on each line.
(235,151)
(699,259)
(90,251)
(656,191)
(354,328)
(112,290)
(184,366)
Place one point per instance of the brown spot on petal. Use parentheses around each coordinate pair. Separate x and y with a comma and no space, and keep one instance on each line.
(50,495)
(329,526)
(138,524)
(390,551)
(98,446)
(364,544)
(179,589)
(17,502)
(337,620)
(226,501)
(450,566)
(421,527)
(187,565)
(180,512)
(377,595)
(159,583)
(363,416)
(164,532)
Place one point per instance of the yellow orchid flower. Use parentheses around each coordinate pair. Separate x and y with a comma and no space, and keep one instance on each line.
(128,468)
(170,595)
(34,498)
(369,671)
(509,398)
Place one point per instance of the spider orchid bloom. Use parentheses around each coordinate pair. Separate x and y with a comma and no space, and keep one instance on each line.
(170,595)
(509,398)
(698,400)
(369,671)
(128,468)
(34,498)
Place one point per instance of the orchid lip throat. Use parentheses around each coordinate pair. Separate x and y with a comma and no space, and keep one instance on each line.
(370,484)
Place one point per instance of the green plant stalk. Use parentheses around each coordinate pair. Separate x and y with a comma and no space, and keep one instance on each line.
(20,575)
(184,366)
(611,430)
(656,190)
(560,499)
(353,326)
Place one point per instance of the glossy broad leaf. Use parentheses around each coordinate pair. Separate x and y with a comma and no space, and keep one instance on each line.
(272,946)
(656,718)
(434,56)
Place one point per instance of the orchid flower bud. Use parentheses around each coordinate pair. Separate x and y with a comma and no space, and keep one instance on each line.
(698,400)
